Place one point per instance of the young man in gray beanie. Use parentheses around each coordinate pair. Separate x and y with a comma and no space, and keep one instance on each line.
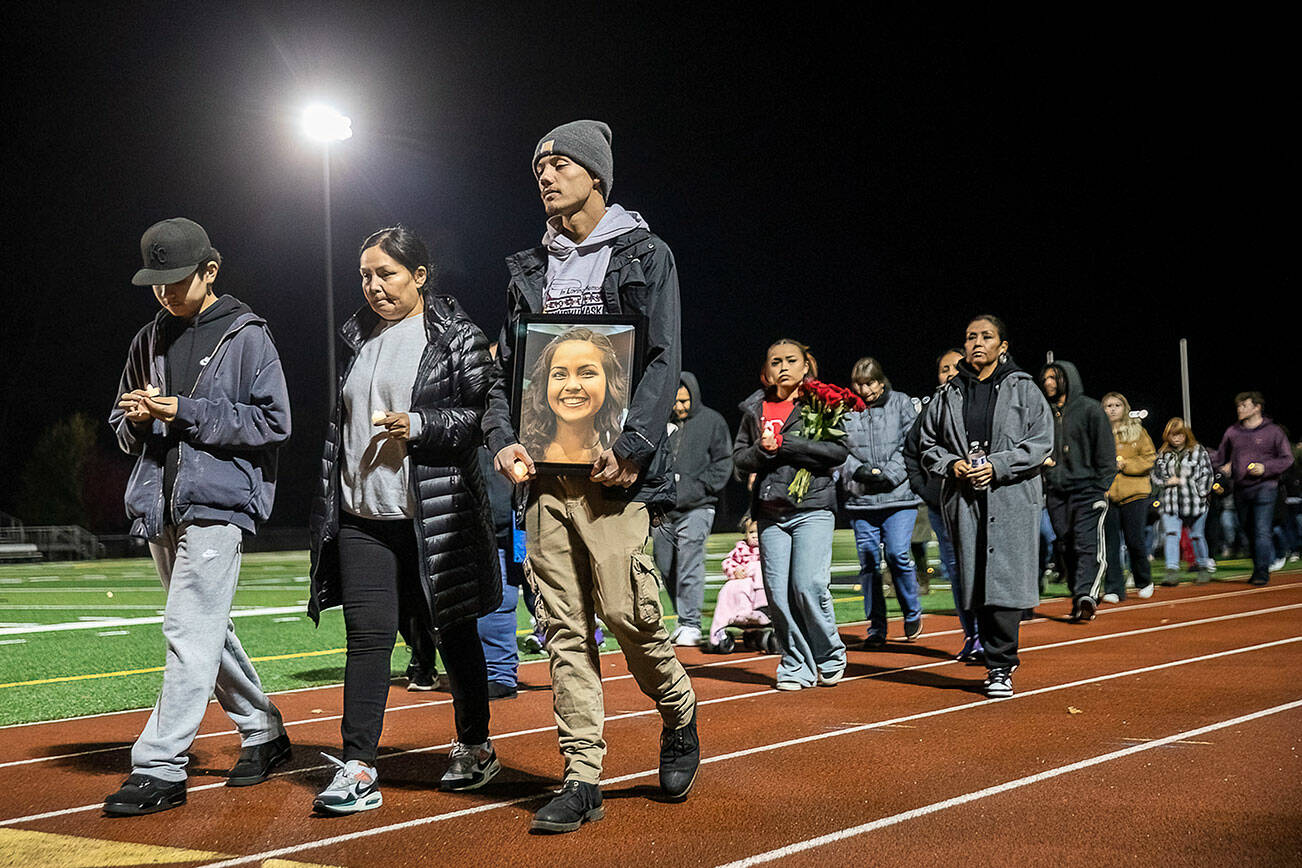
(597,258)
(203,406)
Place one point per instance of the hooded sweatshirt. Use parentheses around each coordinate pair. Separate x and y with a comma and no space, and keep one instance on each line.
(1267,445)
(575,271)
(1084,450)
(700,453)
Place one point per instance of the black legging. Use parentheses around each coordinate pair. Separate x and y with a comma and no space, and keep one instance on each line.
(380,581)
(1128,520)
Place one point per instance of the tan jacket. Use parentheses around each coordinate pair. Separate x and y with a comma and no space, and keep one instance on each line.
(1136,460)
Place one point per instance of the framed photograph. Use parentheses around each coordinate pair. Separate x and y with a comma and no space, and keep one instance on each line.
(574,378)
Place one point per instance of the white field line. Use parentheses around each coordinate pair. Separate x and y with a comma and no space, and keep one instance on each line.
(748,751)
(123,622)
(1110,610)
(1007,786)
(421,821)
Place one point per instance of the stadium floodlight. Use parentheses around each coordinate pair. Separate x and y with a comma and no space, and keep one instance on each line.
(324,124)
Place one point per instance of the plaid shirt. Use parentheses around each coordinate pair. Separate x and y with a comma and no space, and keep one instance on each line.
(1194,469)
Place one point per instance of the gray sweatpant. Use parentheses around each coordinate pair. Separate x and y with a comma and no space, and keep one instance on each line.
(199,565)
(679,549)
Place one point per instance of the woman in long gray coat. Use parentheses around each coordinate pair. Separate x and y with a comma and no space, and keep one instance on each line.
(987,433)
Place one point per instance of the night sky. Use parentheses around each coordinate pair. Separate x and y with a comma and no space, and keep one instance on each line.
(863,181)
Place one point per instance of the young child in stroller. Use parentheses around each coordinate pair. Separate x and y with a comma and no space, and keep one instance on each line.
(742,602)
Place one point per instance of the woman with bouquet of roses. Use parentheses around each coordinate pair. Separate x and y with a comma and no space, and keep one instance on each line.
(789,438)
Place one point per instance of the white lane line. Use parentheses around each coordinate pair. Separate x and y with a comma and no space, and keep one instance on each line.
(1007,786)
(339,839)
(894,722)
(1098,637)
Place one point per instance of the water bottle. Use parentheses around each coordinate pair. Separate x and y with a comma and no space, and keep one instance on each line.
(976,457)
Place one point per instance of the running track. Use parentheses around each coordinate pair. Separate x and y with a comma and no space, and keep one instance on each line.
(1167,730)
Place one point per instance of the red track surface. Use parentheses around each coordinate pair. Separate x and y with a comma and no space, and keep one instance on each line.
(904,761)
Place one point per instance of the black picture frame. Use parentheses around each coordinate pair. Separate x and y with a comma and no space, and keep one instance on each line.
(557,438)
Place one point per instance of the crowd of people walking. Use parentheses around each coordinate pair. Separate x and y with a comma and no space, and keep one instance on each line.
(437,508)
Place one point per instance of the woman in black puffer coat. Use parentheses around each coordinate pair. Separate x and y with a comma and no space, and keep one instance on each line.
(401,528)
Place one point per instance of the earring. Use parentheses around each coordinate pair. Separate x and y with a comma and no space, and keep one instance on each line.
(1003,358)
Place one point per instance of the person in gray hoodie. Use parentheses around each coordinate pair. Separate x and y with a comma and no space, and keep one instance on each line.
(699,448)
(875,493)
(1078,474)
(204,408)
(586,532)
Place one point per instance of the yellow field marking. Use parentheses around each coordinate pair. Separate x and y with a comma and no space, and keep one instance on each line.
(28,849)
(63,678)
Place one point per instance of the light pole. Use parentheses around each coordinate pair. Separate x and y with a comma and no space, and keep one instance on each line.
(325,125)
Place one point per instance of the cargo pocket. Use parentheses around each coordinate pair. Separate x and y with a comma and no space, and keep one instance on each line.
(541,619)
(646,591)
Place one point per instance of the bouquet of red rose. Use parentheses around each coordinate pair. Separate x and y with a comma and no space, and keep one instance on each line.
(824,406)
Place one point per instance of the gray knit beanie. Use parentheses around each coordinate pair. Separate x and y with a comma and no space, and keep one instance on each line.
(586,143)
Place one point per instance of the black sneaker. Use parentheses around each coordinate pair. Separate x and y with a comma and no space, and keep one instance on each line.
(1087,608)
(680,756)
(256,762)
(420,680)
(1259,580)
(498,690)
(873,642)
(999,682)
(142,794)
(577,803)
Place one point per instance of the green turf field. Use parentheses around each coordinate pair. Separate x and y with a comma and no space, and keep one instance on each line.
(85,637)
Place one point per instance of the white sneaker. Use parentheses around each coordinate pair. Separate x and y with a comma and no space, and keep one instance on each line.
(1111,598)
(471,766)
(1145,592)
(1277,564)
(1210,565)
(355,788)
(687,637)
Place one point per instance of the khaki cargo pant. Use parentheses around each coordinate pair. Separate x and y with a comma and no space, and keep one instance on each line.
(586,560)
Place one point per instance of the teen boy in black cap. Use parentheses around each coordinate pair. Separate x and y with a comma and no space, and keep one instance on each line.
(586,533)
(204,406)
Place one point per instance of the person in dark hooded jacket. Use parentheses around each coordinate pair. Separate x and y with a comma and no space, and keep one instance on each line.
(1077,477)
(699,450)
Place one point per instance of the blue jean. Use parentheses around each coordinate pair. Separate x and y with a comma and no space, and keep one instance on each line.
(796,555)
(966,617)
(894,527)
(497,632)
(1172,525)
(1256,509)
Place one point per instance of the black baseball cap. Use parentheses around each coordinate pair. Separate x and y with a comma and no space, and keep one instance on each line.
(172,249)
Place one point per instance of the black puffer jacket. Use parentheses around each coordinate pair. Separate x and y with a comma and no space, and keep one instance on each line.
(774,472)
(458,553)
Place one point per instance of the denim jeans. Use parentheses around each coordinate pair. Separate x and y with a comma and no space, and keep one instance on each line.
(966,617)
(1256,509)
(894,527)
(796,554)
(679,549)
(1172,525)
(497,630)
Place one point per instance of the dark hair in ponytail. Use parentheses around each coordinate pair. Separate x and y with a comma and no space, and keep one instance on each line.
(404,246)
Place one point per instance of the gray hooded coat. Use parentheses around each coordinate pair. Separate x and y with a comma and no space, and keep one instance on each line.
(1021,438)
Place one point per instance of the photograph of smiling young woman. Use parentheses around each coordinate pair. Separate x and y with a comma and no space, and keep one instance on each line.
(576,397)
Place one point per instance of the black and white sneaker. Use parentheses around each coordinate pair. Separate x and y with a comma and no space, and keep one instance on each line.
(470,767)
(999,682)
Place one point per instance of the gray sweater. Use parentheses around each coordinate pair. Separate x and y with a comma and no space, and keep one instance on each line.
(375,469)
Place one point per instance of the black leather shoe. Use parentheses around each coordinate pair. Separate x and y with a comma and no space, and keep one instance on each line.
(498,690)
(256,762)
(680,756)
(578,803)
(142,794)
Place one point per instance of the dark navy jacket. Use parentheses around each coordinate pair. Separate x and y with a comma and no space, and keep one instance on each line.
(229,429)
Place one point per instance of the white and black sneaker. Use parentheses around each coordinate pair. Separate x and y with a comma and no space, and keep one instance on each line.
(470,767)
(999,682)
(355,788)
